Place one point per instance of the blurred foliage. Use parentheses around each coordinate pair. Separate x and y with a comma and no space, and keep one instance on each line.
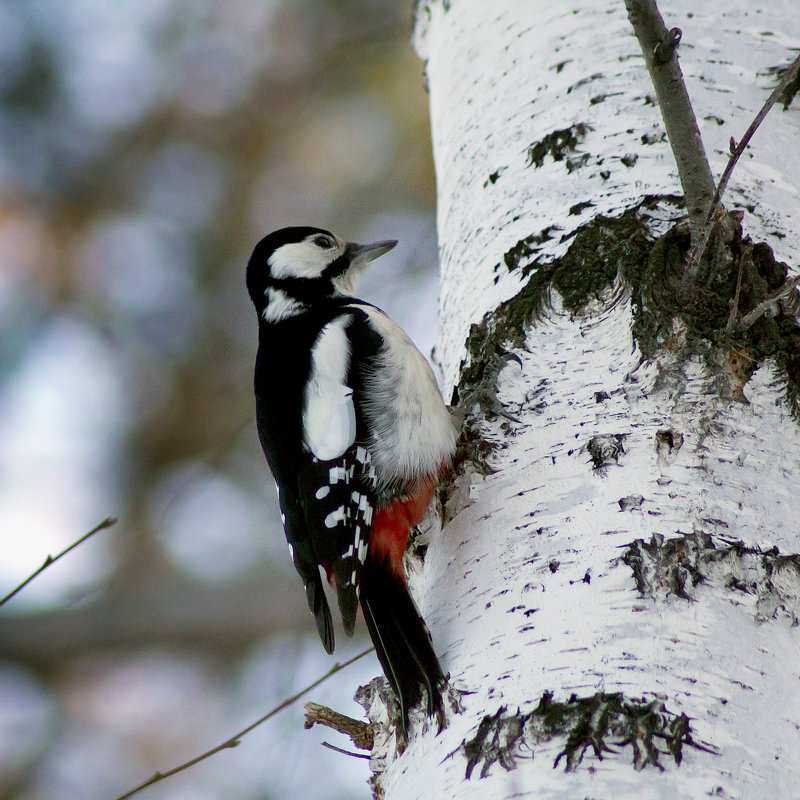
(145,146)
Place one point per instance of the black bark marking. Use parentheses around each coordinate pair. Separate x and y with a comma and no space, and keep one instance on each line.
(603,723)
(678,566)
(561,145)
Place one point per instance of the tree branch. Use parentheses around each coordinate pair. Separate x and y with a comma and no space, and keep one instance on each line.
(734,312)
(162,612)
(659,48)
(50,560)
(360,733)
(737,150)
(749,319)
(345,752)
(699,246)
(235,740)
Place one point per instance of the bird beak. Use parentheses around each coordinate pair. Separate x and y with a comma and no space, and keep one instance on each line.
(369,252)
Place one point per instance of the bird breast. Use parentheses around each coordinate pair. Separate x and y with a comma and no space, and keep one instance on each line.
(411,433)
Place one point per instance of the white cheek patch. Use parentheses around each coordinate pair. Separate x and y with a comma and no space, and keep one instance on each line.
(300,260)
(329,418)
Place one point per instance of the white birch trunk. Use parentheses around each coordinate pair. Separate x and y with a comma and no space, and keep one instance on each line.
(525,589)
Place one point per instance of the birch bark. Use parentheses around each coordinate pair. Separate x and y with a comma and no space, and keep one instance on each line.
(617,574)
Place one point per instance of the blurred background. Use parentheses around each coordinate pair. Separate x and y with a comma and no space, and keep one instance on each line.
(145,146)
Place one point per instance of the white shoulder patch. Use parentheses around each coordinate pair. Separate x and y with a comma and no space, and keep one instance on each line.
(280,306)
(329,418)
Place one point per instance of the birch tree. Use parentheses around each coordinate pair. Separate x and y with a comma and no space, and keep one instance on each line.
(615,588)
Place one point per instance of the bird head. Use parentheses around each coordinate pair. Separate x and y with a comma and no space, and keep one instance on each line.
(293,267)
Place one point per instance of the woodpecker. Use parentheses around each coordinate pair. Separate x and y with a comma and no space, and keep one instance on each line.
(356,435)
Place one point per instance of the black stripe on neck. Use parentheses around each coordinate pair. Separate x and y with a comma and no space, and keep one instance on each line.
(305,290)
(337,267)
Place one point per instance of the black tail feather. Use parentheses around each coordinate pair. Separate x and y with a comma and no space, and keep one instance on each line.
(401,640)
(318,603)
(343,570)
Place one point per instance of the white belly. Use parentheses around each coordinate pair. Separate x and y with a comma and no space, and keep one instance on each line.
(412,434)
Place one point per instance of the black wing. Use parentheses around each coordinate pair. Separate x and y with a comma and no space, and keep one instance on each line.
(328,498)
(338,500)
(338,493)
(305,562)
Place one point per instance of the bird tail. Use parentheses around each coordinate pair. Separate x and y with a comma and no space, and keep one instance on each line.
(401,640)
(315,595)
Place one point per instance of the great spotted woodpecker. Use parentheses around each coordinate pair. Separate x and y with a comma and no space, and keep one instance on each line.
(356,435)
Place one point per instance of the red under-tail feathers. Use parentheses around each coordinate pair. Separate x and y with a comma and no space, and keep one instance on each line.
(401,638)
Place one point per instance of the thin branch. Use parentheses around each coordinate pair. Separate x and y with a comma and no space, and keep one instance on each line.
(345,752)
(360,733)
(235,740)
(734,312)
(659,47)
(50,560)
(753,316)
(699,247)
(790,75)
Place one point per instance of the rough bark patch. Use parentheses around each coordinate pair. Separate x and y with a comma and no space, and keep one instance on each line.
(600,251)
(731,355)
(605,250)
(677,567)
(603,723)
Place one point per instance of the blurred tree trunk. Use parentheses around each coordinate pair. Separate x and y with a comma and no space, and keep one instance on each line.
(616,587)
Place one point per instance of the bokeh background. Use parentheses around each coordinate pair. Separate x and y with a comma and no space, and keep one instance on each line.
(145,146)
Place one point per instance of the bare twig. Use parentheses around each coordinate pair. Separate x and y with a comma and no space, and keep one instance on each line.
(360,733)
(235,740)
(659,49)
(735,304)
(699,246)
(345,752)
(753,316)
(736,153)
(50,560)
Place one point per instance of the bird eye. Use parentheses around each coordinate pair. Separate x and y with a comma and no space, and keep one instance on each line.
(324,241)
